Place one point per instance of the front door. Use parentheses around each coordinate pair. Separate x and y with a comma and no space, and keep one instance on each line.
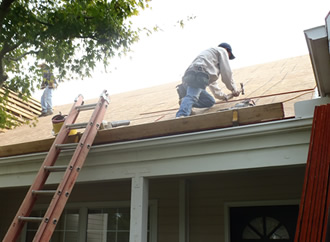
(263,223)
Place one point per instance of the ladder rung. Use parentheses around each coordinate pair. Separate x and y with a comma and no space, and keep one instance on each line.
(77,126)
(67,146)
(44,192)
(30,219)
(55,168)
(86,107)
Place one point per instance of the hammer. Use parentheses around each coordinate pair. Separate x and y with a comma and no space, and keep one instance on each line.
(241,90)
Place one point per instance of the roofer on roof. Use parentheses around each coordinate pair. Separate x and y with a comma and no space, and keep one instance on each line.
(48,84)
(204,71)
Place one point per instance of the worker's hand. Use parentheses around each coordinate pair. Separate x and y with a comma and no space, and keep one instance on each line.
(223,96)
(235,93)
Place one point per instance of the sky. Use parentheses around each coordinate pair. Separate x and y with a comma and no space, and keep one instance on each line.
(259,31)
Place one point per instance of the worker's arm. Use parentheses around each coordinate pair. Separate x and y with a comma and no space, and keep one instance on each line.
(227,74)
(216,91)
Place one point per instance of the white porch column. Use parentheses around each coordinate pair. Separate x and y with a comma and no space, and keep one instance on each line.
(183,211)
(139,209)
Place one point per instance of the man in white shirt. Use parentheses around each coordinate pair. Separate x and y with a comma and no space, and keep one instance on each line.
(204,71)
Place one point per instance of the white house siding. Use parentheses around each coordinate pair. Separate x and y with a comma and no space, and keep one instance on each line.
(207,196)
(210,194)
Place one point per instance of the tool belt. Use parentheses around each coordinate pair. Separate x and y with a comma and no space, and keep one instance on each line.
(196,77)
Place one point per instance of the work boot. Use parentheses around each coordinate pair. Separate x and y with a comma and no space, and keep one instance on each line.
(181,92)
(49,112)
(43,114)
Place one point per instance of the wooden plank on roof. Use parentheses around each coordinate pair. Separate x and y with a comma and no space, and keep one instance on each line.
(32,103)
(195,123)
(14,118)
(33,147)
(17,111)
(26,148)
(28,107)
(261,113)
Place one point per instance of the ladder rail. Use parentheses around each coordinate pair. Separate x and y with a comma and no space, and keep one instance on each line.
(59,200)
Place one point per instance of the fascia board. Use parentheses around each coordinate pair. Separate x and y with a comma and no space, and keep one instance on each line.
(224,134)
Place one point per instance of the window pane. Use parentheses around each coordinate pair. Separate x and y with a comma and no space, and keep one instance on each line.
(271,224)
(97,227)
(66,229)
(257,224)
(109,224)
(123,237)
(112,237)
(280,233)
(123,218)
(248,233)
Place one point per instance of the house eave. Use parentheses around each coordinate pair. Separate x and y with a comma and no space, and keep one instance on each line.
(262,145)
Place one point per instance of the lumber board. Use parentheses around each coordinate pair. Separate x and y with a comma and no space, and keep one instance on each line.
(14,118)
(14,94)
(26,148)
(25,105)
(17,111)
(260,113)
(195,123)
(31,103)
(33,146)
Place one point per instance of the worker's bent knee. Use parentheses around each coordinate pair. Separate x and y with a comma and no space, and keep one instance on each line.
(208,102)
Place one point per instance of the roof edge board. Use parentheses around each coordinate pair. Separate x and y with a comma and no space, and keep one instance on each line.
(288,125)
(317,42)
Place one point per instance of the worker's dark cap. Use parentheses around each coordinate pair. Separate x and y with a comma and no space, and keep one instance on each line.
(229,49)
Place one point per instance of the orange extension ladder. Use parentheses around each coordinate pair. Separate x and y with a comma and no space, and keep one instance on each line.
(71,172)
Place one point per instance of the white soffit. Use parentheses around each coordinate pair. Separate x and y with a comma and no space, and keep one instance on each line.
(318,46)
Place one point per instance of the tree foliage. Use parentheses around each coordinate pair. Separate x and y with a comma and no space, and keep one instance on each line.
(71,36)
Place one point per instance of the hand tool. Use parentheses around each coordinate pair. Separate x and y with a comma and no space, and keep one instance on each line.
(241,90)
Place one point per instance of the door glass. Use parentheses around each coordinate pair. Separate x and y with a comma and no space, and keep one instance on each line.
(274,230)
(263,223)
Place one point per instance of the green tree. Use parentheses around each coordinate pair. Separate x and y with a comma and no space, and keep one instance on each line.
(71,36)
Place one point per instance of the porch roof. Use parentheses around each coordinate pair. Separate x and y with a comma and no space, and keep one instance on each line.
(153,109)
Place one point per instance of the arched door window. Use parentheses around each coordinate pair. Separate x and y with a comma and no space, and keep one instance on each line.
(265,228)
(263,223)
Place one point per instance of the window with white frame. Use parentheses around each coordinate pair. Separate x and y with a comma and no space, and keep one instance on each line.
(110,224)
(102,222)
